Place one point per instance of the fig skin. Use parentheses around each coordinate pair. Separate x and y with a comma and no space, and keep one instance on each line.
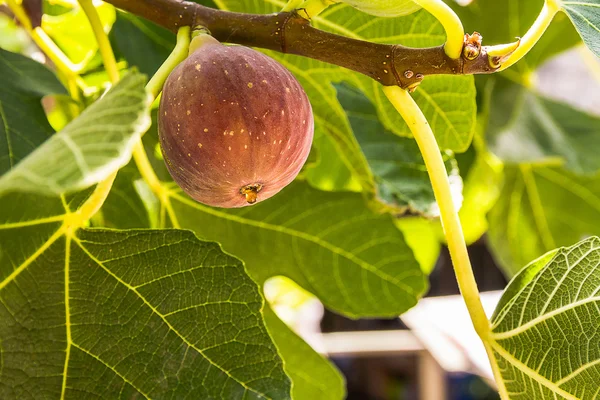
(235,126)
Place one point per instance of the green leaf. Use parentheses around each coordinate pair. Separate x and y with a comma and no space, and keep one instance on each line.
(545,328)
(23,123)
(142,43)
(313,376)
(331,244)
(72,32)
(503,21)
(400,173)
(91,147)
(107,313)
(330,172)
(448,102)
(585,15)
(540,209)
(526,127)
(384,8)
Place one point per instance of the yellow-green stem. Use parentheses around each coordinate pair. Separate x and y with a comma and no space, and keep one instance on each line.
(64,66)
(98,197)
(455,33)
(106,51)
(93,204)
(143,164)
(423,134)
(179,53)
(533,35)
(149,176)
(154,86)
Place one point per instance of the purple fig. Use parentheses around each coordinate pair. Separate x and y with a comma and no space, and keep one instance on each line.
(235,126)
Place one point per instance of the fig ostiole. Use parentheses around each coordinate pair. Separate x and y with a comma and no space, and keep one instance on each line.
(235,126)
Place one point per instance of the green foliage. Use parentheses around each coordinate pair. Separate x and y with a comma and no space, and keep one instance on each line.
(91,147)
(544,329)
(527,127)
(91,306)
(143,310)
(585,15)
(23,124)
(331,244)
(143,44)
(539,209)
(72,31)
(396,162)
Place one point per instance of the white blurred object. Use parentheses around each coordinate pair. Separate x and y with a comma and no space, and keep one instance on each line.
(444,327)
(571,77)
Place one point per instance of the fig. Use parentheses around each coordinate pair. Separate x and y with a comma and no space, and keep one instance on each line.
(235,126)
(384,8)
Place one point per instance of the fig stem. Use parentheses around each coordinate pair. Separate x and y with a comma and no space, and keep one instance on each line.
(201,37)
(533,35)
(251,192)
(178,54)
(311,8)
(452,25)
(291,5)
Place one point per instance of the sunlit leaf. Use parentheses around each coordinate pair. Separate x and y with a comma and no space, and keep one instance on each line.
(585,15)
(23,124)
(106,313)
(91,147)
(73,33)
(332,245)
(545,328)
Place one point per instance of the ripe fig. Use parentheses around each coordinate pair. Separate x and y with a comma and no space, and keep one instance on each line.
(235,126)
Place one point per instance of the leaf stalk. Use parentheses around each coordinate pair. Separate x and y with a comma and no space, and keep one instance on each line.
(533,35)
(421,130)
(452,24)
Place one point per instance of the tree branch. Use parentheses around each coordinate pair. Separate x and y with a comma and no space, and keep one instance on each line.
(391,65)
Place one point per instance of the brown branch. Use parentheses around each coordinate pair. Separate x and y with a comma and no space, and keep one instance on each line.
(289,33)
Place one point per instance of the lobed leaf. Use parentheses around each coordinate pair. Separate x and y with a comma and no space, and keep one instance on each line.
(544,335)
(91,147)
(107,313)
(331,244)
